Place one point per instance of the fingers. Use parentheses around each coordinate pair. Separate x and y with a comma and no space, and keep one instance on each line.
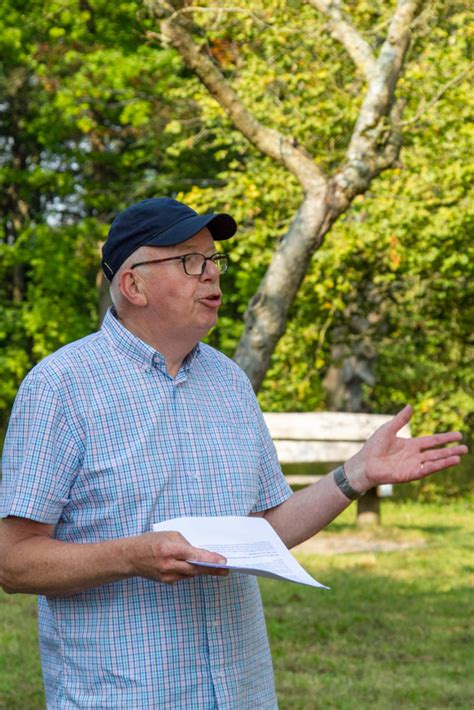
(402,418)
(205,556)
(439,454)
(177,570)
(172,553)
(429,442)
(430,467)
(199,570)
(199,555)
(438,459)
(181,549)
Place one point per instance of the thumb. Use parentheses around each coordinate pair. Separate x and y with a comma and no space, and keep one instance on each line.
(401,419)
(199,555)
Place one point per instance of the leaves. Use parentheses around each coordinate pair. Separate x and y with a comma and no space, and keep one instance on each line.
(95,114)
(82,133)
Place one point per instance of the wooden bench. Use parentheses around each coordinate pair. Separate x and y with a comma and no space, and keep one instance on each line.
(327,437)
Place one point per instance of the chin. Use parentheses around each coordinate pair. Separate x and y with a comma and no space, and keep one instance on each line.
(204,328)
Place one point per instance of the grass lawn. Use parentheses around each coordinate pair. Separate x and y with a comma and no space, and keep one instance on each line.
(394,631)
(396,628)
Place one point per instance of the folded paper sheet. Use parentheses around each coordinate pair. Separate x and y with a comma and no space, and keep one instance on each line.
(250,545)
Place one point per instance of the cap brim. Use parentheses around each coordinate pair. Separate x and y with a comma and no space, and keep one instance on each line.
(222,226)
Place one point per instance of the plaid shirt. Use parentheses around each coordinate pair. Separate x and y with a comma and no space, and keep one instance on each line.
(102,443)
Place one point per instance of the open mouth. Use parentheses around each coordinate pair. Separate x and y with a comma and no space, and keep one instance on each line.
(213,300)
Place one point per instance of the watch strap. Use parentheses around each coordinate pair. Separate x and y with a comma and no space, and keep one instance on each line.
(343,484)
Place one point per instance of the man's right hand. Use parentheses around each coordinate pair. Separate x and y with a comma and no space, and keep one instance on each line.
(163,557)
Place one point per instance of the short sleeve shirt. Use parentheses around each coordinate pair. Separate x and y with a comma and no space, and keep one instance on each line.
(102,443)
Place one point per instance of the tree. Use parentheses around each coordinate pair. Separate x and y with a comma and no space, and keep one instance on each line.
(373,146)
(94,115)
(382,315)
(389,300)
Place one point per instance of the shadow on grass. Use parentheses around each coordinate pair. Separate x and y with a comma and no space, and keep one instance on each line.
(372,641)
(342,526)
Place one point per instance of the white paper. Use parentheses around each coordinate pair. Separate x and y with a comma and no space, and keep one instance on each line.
(249,544)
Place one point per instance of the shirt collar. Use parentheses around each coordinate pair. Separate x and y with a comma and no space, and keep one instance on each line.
(136,349)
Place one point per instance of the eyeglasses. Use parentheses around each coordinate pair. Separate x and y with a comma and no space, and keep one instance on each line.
(193,264)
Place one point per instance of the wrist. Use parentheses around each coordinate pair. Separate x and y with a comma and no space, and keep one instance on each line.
(355,471)
(128,552)
(340,479)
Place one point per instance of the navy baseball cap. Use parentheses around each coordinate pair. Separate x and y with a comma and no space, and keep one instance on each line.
(158,222)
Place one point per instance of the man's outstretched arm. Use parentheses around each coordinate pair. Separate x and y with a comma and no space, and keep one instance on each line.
(384,458)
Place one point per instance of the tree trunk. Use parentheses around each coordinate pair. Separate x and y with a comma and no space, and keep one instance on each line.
(267,312)
(368,509)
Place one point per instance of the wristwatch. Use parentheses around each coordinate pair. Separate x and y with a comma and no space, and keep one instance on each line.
(343,484)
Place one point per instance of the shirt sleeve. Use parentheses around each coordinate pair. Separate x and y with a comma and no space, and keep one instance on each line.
(273,488)
(41,455)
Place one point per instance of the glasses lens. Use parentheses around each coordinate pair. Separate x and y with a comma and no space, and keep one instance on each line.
(220,260)
(193,264)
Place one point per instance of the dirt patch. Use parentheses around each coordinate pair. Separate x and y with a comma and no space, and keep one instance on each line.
(327,544)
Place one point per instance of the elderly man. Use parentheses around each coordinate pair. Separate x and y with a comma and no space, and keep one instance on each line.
(140,423)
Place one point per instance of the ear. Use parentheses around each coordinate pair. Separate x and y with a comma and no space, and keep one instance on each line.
(132,288)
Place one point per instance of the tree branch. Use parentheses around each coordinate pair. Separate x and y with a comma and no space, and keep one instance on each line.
(380,95)
(376,140)
(269,141)
(344,32)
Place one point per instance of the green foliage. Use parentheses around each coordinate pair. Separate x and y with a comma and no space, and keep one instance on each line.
(85,128)
(58,303)
(96,114)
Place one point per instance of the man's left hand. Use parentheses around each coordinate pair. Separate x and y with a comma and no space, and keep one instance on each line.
(388,458)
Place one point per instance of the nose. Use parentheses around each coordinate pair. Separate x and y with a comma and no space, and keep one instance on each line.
(211,272)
